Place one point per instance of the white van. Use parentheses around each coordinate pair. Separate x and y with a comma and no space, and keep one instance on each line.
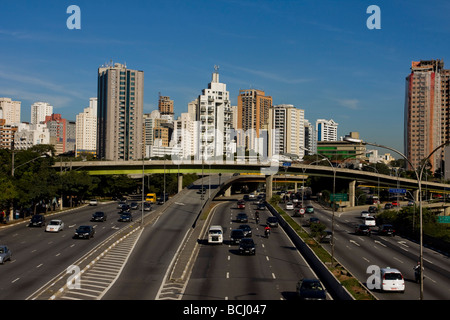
(391,280)
(215,234)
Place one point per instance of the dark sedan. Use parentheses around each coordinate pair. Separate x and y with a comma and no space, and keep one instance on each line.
(84,232)
(99,216)
(364,230)
(247,246)
(126,217)
(310,289)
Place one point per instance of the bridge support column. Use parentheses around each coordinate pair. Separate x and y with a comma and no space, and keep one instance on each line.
(351,193)
(227,192)
(180,182)
(269,180)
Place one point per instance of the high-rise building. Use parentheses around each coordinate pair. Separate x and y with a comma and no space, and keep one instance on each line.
(287,131)
(62,133)
(427,111)
(326,130)
(39,110)
(10,111)
(86,129)
(310,138)
(214,113)
(165,105)
(120,113)
(252,115)
(7,134)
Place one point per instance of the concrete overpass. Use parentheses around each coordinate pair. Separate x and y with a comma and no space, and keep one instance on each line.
(251,170)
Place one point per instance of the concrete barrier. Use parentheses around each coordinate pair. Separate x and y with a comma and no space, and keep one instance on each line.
(334,287)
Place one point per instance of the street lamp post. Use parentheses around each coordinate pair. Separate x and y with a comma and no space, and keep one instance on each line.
(419,181)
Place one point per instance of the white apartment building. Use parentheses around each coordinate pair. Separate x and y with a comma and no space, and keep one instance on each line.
(310,138)
(185,136)
(10,111)
(287,130)
(39,110)
(86,129)
(214,113)
(28,135)
(326,130)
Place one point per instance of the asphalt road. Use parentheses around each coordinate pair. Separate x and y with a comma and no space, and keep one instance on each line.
(148,264)
(220,273)
(39,256)
(358,252)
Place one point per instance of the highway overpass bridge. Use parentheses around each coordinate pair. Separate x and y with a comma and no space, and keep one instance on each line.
(252,170)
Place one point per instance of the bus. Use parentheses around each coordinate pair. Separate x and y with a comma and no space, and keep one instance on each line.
(151,197)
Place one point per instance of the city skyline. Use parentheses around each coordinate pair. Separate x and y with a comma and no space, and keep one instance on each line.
(316,55)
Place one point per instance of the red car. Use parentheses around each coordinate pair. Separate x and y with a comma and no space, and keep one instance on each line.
(241,204)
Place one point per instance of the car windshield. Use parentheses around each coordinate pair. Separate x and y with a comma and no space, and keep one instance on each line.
(392,276)
(215,232)
(272,219)
(83,229)
(54,223)
(36,218)
(312,285)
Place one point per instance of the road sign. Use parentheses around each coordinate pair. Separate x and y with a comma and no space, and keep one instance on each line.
(394,190)
(286,164)
(444,219)
(339,197)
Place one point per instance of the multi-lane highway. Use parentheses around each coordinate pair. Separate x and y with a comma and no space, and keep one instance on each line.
(39,256)
(220,272)
(357,253)
(139,266)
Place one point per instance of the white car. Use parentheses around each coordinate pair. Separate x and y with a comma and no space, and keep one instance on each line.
(370,221)
(289,206)
(93,202)
(391,280)
(365,214)
(54,226)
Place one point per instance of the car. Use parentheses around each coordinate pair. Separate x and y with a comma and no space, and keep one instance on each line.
(310,289)
(99,216)
(247,246)
(252,196)
(85,232)
(272,222)
(386,230)
(241,204)
(126,217)
(247,230)
(121,204)
(147,206)
(388,206)
(326,236)
(289,206)
(373,209)
(365,214)
(38,220)
(134,206)
(261,206)
(242,217)
(5,254)
(93,202)
(395,203)
(391,280)
(370,221)
(55,225)
(411,203)
(236,235)
(309,209)
(364,230)
(313,220)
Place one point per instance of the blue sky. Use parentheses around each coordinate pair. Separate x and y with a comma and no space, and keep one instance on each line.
(318,55)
